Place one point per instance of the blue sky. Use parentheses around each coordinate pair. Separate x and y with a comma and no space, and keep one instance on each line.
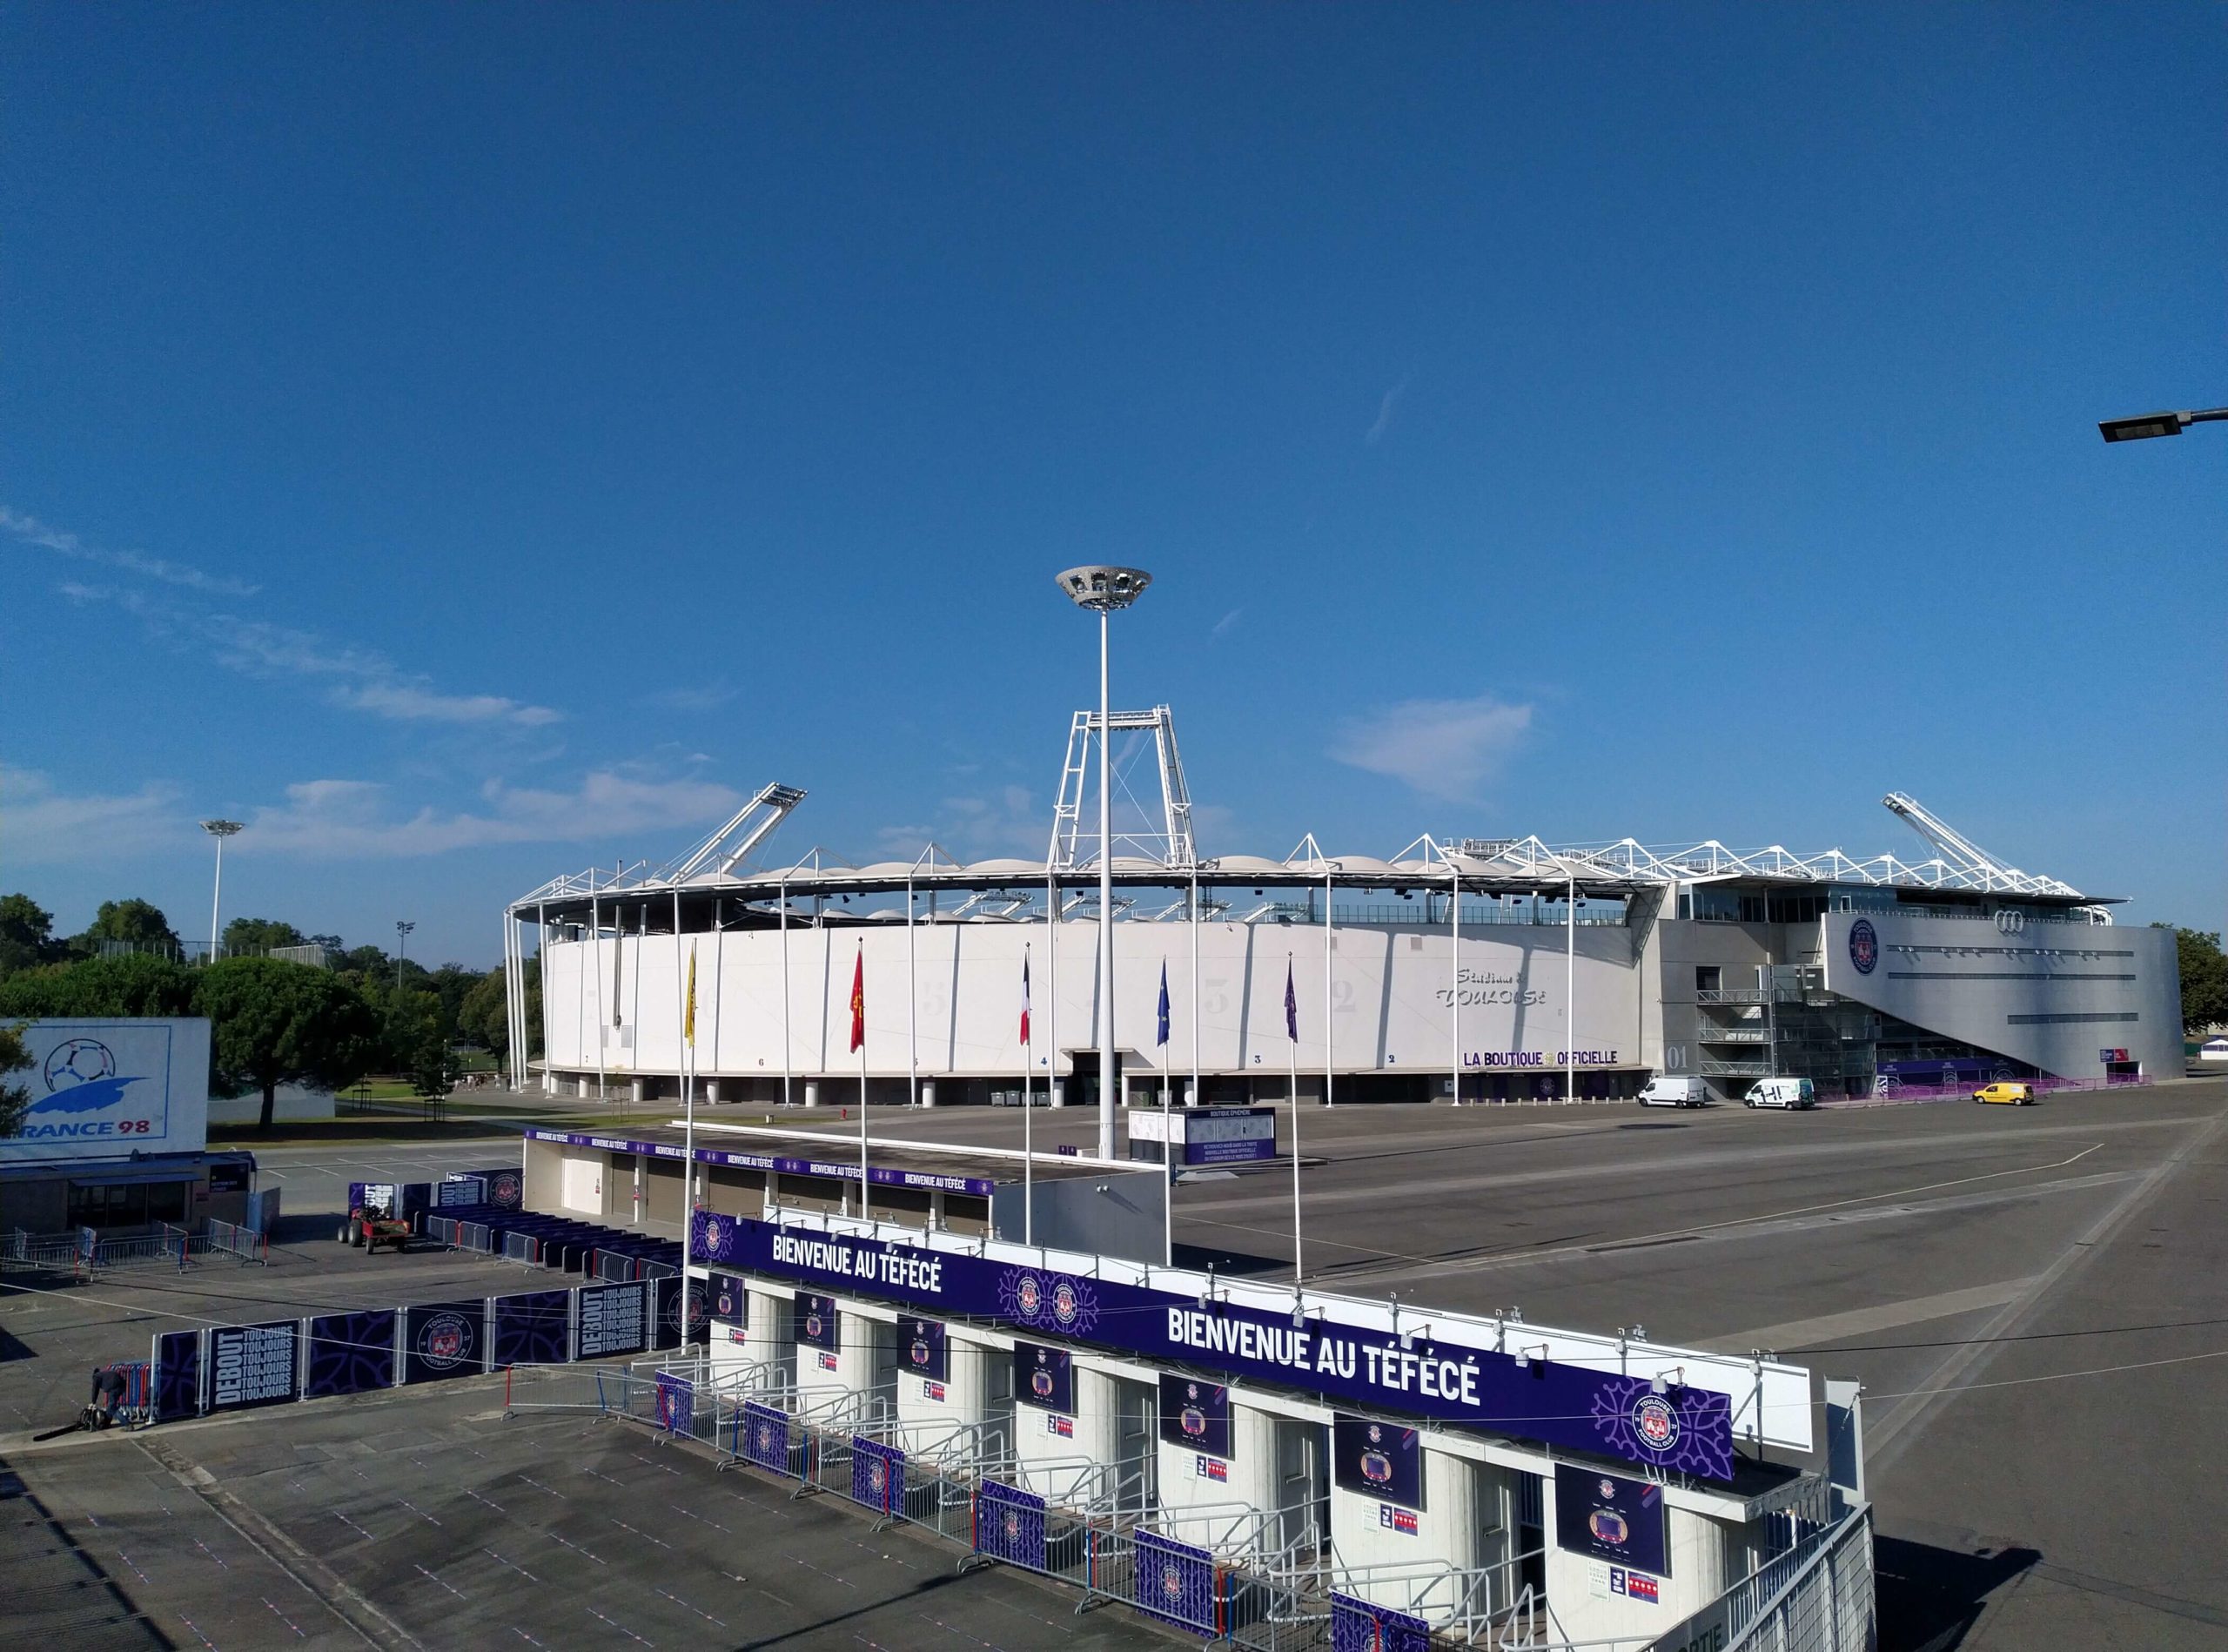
(469,443)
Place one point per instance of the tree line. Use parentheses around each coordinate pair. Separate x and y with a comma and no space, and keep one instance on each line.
(273,1021)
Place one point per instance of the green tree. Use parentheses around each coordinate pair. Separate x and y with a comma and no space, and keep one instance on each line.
(26,933)
(15,1098)
(272,1022)
(484,1016)
(254,935)
(2204,979)
(141,923)
(133,984)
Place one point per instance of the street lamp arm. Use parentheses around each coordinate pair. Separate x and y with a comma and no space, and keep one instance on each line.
(2143,426)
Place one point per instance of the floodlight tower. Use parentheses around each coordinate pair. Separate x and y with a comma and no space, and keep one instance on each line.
(219,830)
(1104,589)
(401,950)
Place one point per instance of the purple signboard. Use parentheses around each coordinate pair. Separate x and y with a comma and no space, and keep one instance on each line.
(1362,1626)
(441,1339)
(534,1327)
(1610,1518)
(1379,1460)
(1195,1413)
(818,1323)
(1688,1429)
(351,1352)
(765,1436)
(1044,1377)
(251,1365)
(921,1345)
(877,1474)
(1009,1525)
(613,1318)
(1176,1582)
(178,1375)
(730,1302)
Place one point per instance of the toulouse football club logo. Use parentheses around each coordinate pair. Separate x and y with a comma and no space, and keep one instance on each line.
(715,1234)
(1029,1296)
(446,1342)
(1863,946)
(1171,1584)
(1656,1423)
(1064,1304)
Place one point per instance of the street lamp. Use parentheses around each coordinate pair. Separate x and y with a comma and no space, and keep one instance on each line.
(219,830)
(1104,589)
(2158,424)
(401,950)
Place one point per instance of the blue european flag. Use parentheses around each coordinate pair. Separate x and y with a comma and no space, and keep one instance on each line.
(1163,1037)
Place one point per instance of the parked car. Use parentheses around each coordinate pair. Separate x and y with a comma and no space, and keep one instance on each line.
(1662,1092)
(1782,1092)
(2012,1094)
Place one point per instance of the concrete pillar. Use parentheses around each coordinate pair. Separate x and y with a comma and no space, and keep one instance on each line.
(549,1082)
(1191,1094)
(1059,1093)
(928,1092)
(712,1092)
(638,1093)
(583,1090)
(812,1092)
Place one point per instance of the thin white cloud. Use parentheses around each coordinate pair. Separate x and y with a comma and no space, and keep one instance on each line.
(368,680)
(357,819)
(31,531)
(1375,433)
(41,826)
(1445,748)
(701,697)
(407,702)
(1002,823)
(1221,628)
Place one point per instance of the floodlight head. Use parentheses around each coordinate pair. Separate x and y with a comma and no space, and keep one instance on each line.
(1102,588)
(2142,426)
(222,828)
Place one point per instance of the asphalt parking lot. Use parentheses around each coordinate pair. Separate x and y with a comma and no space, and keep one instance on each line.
(2033,1298)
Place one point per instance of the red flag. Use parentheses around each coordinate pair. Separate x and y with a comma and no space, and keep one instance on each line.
(859,1000)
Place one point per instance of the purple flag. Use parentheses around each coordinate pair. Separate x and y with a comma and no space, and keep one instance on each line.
(1292,1006)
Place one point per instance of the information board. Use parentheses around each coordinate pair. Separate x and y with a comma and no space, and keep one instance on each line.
(818,1326)
(1610,1518)
(615,1319)
(1379,1460)
(922,1345)
(251,1364)
(1044,1377)
(1195,1413)
(730,1300)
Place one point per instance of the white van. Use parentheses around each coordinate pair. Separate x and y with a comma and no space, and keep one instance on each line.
(1662,1092)
(1782,1092)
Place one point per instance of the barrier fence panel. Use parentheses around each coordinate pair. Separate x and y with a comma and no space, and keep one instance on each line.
(521,1247)
(350,1353)
(444,1340)
(878,1476)
(531,1327)
(1176,1582)
(1359,1626)
(1009,1525)
(176,1357)
(252,1365)
(676,1403)
(243,1244)
(765,1441)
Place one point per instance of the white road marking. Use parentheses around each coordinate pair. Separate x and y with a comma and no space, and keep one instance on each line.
(1798,1334)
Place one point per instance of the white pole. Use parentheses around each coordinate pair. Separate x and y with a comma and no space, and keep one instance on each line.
(217,898)
(912,1008)
(1326,987)
(1454,971)
(1028,1128)
(785,992)
(1195,1098)
(1292,1047)
(1053,1096)
(680,1025)
(1106,1074)
(688,1125)
(541,956)
(863,1182)
(1570,993)
(595,940)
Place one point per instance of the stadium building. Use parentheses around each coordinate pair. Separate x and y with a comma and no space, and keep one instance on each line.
(1494,970)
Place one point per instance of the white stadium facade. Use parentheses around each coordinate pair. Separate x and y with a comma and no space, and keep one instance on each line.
(1500,971)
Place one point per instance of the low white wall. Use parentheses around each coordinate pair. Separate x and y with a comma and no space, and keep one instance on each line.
(1197,1508)
(934,1428)
(1365,1533)
(1060,1468)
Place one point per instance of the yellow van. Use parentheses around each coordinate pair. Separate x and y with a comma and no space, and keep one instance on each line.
(2016,1095)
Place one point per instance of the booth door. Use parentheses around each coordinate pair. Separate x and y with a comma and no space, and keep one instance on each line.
(1137,1449)
(1303,1486)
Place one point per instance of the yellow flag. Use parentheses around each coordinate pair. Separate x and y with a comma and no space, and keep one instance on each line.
(688,1009)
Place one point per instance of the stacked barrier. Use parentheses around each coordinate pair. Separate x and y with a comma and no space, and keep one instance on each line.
(565,1243)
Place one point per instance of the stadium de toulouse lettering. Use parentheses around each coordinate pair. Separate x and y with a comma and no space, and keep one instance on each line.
(1685,1429)
(1489,986)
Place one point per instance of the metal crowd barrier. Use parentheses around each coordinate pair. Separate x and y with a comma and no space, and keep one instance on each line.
(245,1244)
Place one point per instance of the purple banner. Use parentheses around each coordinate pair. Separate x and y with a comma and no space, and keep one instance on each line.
(1044,1377)
(534,1327)
(1610,1518)
(443,1340)
(1009,1525)
(1176,1582)
(1379,1460)
(251,1365)
(817,1324)
(765,1437)
(1195,1413)
(351,1352)
(1361,1626)
(178,1375)
(877,1475)
(1686,1429)
(676,1403)
(730,1302)
(921,1344)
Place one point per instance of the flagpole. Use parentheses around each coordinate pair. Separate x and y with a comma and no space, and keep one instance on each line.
(688,1116)
(1028,1132)
(1167,1133)
(1292,1047)
(859,1037)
